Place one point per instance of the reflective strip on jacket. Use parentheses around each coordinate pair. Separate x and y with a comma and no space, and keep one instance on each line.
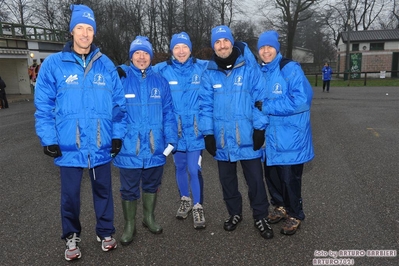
(80,109)
(287,104)
(227,106)
(151,122)
(185,81)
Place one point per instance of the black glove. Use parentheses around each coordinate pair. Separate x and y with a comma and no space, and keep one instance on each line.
(258,104)
(52,151)
(116,147)
(121,72)
(258,138)
(210,144)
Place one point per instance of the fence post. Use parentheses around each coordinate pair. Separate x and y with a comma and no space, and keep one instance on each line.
(316,81)
(365,78)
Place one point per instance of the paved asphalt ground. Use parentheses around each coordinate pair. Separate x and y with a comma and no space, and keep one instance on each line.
(350,190)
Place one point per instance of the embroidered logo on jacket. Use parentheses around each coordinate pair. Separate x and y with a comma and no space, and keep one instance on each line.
(277,89)
(87,15)
(99,80)
(71,79)
(220,30)
(155,93)
(182,36)
(238,81)
(196,79)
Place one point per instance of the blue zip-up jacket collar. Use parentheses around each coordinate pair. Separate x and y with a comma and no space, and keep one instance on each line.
(141,73)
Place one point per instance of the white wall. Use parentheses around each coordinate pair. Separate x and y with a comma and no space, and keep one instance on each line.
(14,72)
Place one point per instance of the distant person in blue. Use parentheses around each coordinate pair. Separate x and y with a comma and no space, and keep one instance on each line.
(81,122)
(326,75)
(152,128)
(232,126)
(184,73)
(286,106)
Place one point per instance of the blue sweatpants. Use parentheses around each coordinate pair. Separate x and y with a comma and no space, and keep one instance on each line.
(149,178)
(253,174)
(188,170)
(285,183)
(101,184)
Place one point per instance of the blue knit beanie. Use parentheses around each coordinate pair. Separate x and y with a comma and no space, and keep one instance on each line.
(220,32)
(269,38)
(181,37)
(82,14)
(141,43)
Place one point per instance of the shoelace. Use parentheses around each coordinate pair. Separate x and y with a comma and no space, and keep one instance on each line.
(280,211)
(289,222)
(71,242)
(184,205)
(198,214)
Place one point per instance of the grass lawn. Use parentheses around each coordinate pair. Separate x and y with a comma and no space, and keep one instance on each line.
(370,82)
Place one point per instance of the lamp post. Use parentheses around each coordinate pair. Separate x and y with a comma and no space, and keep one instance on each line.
(32,55)
(347,62)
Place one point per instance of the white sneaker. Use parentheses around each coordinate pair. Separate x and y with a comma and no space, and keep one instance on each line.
(185,208)
(72,251)
(198,216)
(107,243)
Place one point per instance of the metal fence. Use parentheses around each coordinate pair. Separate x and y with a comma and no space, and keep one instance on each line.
(358,76)
(19,31)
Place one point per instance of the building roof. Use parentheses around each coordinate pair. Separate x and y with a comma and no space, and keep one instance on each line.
(369,35)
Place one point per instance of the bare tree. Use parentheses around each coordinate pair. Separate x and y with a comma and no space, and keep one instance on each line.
(52,14)
(4,15)
(245,31)
(118,23)
(312,35)
(359,14)
(391,20)
(293,12)
(224,9)
(365,13)
(21,10)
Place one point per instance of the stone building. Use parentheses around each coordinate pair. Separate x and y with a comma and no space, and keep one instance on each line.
(371,51)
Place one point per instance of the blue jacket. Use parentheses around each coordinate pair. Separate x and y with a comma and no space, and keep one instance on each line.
(327,72)
(80,106)
(185,81)
(287,106)
(151,122)
(227,106)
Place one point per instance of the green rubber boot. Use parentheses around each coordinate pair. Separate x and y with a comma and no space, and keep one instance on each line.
(129,214)
(149,200)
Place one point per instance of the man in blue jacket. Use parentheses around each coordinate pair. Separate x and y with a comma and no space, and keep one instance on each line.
(183,73)
(152,128)
(326,72)
(233,126)
(286,107)
(81,121)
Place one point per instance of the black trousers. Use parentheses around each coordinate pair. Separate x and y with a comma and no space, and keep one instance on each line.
(253,174)
(3,99)
(284,183)
(326,83)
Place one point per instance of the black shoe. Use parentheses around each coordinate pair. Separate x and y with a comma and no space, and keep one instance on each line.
(264,228)
(231,223)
